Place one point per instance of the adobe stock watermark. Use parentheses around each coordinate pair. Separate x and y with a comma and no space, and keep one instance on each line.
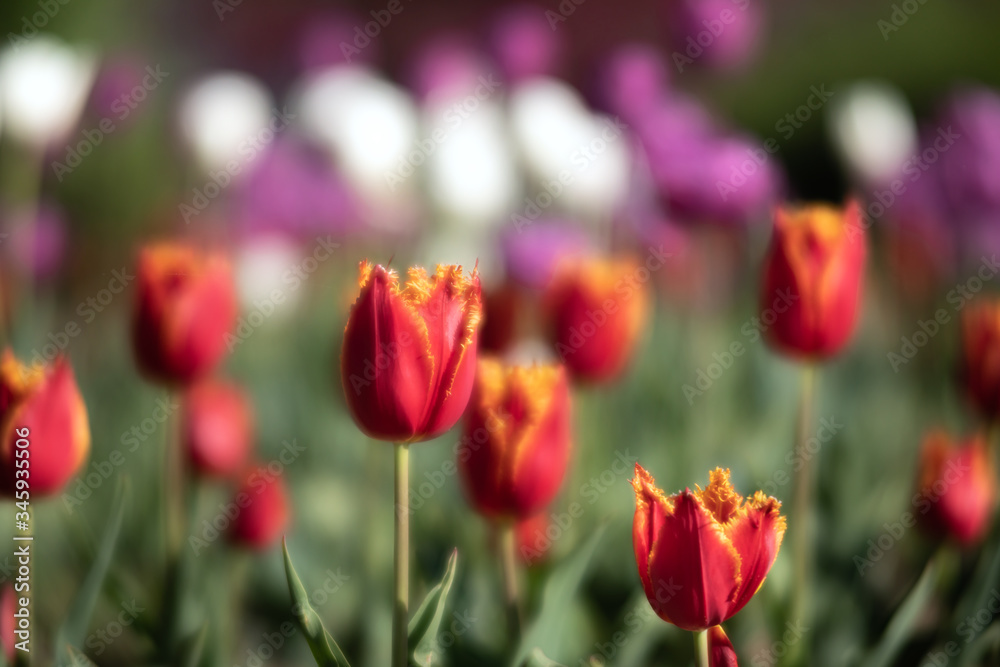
(365,35)
(625,289)
(900,15)
(772,654)
(30,25)
(452,118)
(922,502)
(293,278)
(795,459)
(713,29)
(785,126)
(590,491)
(258,481)
(247,152)
(101,471)
(957,298)
(123,106)
(968,629)
(634,620)
(272,642)
(88,311)
(99,641)
(581,159)
(752,330)
(566,9)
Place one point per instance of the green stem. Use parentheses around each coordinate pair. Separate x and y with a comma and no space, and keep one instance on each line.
(701,648)
(401,553)
(802,502)
(508,567)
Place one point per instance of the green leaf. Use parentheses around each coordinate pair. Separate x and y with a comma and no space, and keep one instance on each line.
(423,629)
(192,647)
(900,627)
(557,597)
(538,659)
(324,649)
(77,658)
(73,631)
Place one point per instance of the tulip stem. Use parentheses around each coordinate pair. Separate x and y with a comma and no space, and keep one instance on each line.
(701,648)
(401,553)
(802,501)
(508,567)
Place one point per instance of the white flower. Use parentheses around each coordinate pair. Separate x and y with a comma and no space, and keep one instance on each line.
(43,87)
(872,128)
(225,117)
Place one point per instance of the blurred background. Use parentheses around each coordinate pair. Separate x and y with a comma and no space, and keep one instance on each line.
(305,136)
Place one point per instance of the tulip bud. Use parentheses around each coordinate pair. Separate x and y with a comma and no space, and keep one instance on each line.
(185,309)
(409,354)
(813,278)
(264,510)
(703,555)
(218,428)
(598,308)
(981,355)
(44,407)
(957,488)
(518,424)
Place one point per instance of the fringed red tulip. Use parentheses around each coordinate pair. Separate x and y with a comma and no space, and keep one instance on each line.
(42,406)
(185,309)
(597,309)
(981,355)
(957,488)
(813,277)
(702,555)
(409,353)
(519,420)
(264,510)
(217,428)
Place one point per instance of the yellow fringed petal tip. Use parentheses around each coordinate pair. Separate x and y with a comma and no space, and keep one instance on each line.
(719,497)
(19,378)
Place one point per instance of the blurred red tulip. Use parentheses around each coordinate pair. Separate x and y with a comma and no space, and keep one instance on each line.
(598,308)
(499,325)
(217,428)
(7,608)
(264,510)
(409,353)
(519,425)
(533,541)
(703,555)
(981,355)
(43,406)
(957,488)
(813,277)
(720,649)
(186,307)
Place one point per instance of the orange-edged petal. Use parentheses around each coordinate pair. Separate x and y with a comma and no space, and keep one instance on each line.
(692,549)
(651,509)
(755,531)
(720,650)
(386,363)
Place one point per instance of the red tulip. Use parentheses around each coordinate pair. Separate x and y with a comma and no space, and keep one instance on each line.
(264,510)
(185,309)
(518,427)
(499,325)
(981,355)
(42,406)
(813,278)
(598,308)
(703,555)
(409,353)
(217,428)
(957,488)
(533,540)
(720,649)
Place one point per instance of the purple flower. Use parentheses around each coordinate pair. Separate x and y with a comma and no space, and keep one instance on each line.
(445,67)
(37,247)
(968,143)
(336,37)
(633,81)
(722,34)
(523,43)
(531,252)
(114,92)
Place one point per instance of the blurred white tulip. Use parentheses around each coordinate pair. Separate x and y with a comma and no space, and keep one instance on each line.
(43,88)
(226,117)
(872,128)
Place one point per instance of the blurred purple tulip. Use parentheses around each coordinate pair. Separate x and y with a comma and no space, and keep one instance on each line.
(293,189)
(633,81)
(967,139)
(721,34)
(113,94)
(446,67)
(531,252)
(332,38)
(37,247)
(523,43)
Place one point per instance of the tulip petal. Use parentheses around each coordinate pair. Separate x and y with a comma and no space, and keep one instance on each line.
(720,650)
(691,548)
(756,531)
(651,510)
